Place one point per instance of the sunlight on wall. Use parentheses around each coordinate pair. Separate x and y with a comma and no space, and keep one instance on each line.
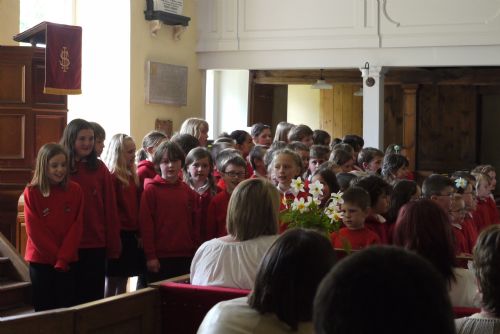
(303,105)
(105,95)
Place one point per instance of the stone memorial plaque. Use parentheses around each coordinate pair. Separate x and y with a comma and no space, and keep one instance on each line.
(166,84)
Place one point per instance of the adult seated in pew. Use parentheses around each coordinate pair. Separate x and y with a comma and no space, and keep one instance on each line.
(386,290)
(487,269)
(252,223)
(282,300)
(424,227)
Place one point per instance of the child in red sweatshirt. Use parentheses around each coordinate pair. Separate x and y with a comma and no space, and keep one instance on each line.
(53,209)
(168,218)
(101,226)
(145,166)
(232,168)
(198,176)
(120,159)
(355,210)
(379,191)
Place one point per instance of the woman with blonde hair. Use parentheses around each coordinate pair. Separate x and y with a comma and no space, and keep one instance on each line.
(252,225)
(196,127)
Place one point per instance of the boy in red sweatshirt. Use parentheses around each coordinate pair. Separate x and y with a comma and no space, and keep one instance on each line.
(355,210)
(168,219)
(232,168)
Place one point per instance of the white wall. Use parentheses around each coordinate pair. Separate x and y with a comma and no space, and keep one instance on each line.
(262,34)
(303,105)
(231,101)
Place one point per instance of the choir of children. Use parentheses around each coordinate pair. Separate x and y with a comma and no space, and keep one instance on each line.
(149,219)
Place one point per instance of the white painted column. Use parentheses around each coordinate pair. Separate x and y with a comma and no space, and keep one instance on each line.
(373,107)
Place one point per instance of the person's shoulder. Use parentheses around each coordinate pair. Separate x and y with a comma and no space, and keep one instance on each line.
(227,315)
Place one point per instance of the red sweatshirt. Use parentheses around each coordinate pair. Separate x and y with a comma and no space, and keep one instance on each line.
(101,226)
(216,215)
(145,170)
(203,202)
(168,219)
(483,214)
(460,241)
(470,232)
(54,224)
(380,228)
(127,199)
(357,238)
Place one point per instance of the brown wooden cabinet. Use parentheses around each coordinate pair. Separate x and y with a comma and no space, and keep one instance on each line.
(28,119)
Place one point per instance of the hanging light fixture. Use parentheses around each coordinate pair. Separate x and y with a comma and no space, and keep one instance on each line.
(321,83)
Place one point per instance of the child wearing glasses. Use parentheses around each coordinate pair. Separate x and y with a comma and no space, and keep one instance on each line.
(439,188)
(232,168)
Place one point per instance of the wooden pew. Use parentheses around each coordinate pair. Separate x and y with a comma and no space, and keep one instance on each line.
(134,312)
(59,321)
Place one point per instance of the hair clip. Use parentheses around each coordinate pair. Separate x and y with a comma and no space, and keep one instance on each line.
(461,183)
(397,148)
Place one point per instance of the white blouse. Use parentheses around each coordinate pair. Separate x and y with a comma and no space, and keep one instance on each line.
(230,264)
(464,291)
(235,316)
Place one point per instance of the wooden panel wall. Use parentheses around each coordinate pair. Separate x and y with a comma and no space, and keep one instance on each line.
(446,127)
(393,115)
(341,112)
(28,119)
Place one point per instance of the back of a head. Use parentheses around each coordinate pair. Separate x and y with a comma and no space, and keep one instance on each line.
(375,186)
(435,184)
(424,227)
(289,275)
(229,156)
(487,268)
(383,290)
(297,133)
(344,180)
(186,141)
(355,141)
(282,130)
(253,210)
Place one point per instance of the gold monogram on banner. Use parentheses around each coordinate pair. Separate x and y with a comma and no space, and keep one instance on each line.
(64,56)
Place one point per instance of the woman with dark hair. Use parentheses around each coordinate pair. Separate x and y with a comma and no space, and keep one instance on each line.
(383,290)
(487,267)
(282,300)
(425,228)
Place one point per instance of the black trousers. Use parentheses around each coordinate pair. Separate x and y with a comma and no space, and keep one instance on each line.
(90,271)
(170,267)
(51,288)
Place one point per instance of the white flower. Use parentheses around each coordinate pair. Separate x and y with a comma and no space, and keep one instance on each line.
(461,183)
(316,189)
(300,205)
(311,200)
(297,186)
(336,199)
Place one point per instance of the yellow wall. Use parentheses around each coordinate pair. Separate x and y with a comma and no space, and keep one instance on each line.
(162,48)
(9,21)
(303,105)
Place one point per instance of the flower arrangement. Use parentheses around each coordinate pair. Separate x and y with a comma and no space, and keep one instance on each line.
(307,212)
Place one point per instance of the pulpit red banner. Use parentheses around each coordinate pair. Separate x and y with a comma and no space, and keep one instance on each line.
(63,59)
